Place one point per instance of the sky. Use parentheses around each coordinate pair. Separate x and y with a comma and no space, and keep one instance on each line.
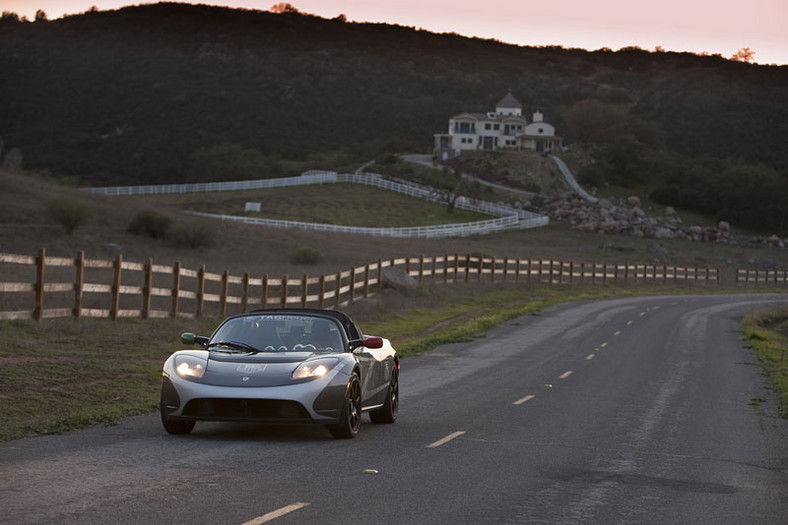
(711,26)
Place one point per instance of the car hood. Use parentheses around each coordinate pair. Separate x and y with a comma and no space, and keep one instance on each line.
(256,370)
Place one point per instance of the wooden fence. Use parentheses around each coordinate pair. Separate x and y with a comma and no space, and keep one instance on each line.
(79,287)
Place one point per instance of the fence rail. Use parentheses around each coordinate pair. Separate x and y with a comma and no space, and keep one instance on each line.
(42,286)
(507,218)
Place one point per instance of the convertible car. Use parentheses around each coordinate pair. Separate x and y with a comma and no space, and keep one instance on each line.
(282,366)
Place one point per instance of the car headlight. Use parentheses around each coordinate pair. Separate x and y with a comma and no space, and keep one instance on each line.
(314,369)
(189,366)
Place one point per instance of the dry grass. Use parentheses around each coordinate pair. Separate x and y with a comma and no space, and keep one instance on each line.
(59,375)
(239,248)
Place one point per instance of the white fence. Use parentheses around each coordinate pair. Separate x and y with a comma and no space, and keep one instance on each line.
(570,179)
(507,218)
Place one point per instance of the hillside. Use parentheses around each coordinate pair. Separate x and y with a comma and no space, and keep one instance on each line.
(176,93)
(27,225)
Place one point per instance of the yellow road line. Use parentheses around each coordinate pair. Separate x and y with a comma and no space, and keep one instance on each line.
(524,399)
(265,518)
(446,439)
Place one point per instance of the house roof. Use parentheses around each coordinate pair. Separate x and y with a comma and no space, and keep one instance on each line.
(509,102)
(494,118)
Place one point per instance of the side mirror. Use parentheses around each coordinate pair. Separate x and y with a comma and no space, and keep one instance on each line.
(368,342)
(189,338)
(373,342)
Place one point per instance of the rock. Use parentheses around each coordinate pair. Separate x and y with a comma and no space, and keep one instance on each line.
(398,279)
(664,233)
(634,201)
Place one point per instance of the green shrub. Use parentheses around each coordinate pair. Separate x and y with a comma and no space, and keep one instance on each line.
(150,223)
(192,235)
(68,213)
(306,255)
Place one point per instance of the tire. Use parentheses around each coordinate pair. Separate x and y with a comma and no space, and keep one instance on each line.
(388,413)
(175,427)
(350,419)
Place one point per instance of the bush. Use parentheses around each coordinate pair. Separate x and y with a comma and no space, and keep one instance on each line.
(193,235)
(68,213)
(306,255)
(150,223)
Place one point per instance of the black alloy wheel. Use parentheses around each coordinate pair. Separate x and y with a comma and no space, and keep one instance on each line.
(350,420)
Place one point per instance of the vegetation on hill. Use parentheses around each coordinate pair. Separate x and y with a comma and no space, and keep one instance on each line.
(183,93)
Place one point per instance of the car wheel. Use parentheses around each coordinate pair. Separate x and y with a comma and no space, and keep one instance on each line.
(388,413)
(350,419)
(175,427)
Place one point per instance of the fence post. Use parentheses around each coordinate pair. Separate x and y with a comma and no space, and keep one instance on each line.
(284,291)
(352,285)
(113,311)
(225,287)
(467,267)
(366,281)
(38,309)
(264,291)
(456,266)
(421,268)
(245,294)
(147,288)
(79,281)
(338,289)
(304,285)
(200,290)
(176,287)
(322,296)
(492,271)
(380,276)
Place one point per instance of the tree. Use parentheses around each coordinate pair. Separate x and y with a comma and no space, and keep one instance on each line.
(283,7)
(41,16)
(9,18)
(744,54)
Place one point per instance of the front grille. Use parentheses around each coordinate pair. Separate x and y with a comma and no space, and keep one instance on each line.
(245,409)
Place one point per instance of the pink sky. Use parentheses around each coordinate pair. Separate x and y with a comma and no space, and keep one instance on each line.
(713,26)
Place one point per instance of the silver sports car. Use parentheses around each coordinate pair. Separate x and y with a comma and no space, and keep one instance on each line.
(282,366)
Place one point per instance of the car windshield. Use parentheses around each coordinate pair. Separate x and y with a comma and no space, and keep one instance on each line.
(278,333)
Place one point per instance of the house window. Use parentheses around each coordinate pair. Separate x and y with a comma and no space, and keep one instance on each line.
(496,126)
(487,126)
(463,127)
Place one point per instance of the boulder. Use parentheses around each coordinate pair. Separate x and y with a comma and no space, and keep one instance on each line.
(398,279)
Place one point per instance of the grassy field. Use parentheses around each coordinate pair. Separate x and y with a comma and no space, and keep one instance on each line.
(58,375)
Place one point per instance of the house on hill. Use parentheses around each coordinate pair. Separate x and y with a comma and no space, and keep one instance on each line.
(504,128)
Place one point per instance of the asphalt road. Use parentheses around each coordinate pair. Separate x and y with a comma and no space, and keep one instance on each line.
(638,410)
